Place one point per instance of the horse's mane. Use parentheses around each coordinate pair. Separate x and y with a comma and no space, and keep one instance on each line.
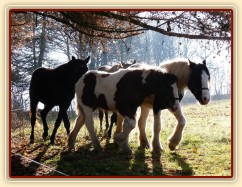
(180,68)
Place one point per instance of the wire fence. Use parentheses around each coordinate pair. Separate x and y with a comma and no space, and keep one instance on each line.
(41,164)
(20,120)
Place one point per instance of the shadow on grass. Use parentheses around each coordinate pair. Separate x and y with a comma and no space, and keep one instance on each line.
(186,169)
(138,166)
(109,162)
(157,164)
(87,162)
(22,165)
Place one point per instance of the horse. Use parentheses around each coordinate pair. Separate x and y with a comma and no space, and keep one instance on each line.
(54,87)
(116,67)
(108,91)
(111,69)
(191,75)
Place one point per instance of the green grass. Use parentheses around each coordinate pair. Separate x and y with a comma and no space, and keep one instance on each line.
(205,149)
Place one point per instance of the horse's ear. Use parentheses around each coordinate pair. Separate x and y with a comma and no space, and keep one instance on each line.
(87,59)
(204,62)
(122,64)
(134,62)
(192,64)
(73,58)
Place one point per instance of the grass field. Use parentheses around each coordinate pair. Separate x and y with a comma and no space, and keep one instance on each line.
(204,151)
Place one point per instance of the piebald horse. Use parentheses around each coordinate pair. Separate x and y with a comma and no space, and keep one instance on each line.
(108,91)
(111,69)
(190,75)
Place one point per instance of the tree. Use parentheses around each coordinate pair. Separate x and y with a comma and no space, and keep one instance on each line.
(48,38)
(195,24)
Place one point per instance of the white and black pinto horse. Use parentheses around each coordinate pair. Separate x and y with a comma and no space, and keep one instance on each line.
(111,69)
(123,91)
(190,75)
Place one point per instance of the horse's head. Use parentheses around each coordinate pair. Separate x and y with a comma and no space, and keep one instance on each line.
(199,81)
(167,97)
(78,67)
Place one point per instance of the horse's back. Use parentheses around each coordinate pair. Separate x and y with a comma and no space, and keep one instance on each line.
(95,84)
(49,87)
(104,68)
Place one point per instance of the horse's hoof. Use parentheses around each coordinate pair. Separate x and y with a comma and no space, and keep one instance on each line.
(145,145)
(172,147)
(71,149)
(70,144)
(119,137)
(127,150)
(157,149)
(52,142)
(98,149)
(118,141)
(172,144)
(31,142)
(68,132)
(44,136)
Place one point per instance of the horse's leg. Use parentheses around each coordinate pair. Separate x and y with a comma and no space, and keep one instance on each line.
(156,145)
(33,106)
(90,127)
(122,138)
(79,122)
(43,115)
(100,114)
(176,136)
(57,123)
(106,117)
(142,125)
(113,120)
(119,127)
(66,123)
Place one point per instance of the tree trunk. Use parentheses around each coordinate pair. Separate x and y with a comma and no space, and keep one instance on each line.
(34,41)
(42,43)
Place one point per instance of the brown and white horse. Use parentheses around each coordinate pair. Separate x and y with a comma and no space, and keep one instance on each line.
(190,75)
(108,91)
(116,67)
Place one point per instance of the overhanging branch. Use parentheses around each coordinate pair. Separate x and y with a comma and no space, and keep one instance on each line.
(157,29)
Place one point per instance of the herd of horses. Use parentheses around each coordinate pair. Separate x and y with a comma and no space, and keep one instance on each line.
(121,89)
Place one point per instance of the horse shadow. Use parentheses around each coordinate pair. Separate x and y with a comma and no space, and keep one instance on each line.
(22,165)
(186,169)
(85,161)
(112,161)
(157,164)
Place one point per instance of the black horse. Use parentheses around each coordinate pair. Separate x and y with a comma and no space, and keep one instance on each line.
(55,87)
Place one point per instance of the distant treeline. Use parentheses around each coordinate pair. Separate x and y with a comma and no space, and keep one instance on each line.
(191,99)
(21,118)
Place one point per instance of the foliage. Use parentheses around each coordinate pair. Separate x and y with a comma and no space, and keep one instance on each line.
(49,38)
(212,24)
(204,151)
